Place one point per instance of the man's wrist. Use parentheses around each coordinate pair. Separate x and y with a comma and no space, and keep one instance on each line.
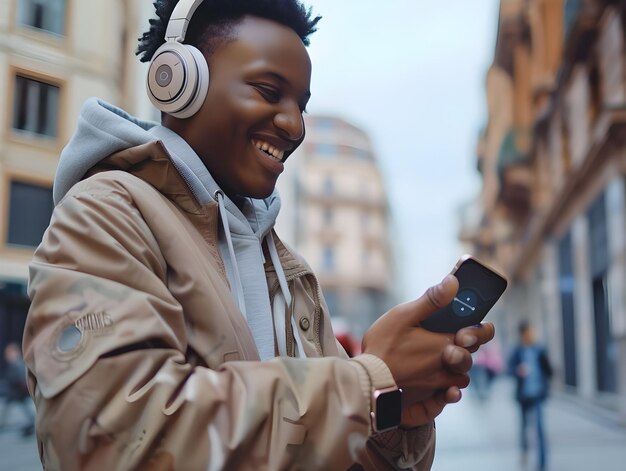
(385,396)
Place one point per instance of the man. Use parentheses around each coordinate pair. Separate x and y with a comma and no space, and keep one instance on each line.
(531,367)
(170,327)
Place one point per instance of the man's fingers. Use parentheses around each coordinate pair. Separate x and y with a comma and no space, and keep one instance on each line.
(475,336)
(426,411)
(457,359)
(452,395)
(443,293)
(434,298)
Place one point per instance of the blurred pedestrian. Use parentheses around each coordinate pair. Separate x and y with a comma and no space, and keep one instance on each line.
(530,365)
(488,364)
(17,392)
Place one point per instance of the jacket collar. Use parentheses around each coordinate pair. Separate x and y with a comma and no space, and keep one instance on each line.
(152,163)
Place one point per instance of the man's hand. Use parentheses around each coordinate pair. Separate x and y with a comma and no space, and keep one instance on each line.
(428,366)
(431,368)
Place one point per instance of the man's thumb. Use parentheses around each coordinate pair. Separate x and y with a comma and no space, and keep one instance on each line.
(436,297)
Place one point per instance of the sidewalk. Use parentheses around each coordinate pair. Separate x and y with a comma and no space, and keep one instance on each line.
(484,436)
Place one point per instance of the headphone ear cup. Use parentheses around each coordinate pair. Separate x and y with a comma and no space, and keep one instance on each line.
(178,79)
(202,71)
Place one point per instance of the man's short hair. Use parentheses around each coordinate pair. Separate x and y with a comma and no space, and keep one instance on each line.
(214,22)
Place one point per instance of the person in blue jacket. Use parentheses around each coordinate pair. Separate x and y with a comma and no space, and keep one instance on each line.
(530,365)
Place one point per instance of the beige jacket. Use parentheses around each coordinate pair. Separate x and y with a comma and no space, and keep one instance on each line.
(139,358)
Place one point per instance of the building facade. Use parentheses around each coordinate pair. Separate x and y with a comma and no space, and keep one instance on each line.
(335,212)
(552,213)
(53,55)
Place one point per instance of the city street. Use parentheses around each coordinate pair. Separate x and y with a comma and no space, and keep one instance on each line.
(475,436)
(472,436)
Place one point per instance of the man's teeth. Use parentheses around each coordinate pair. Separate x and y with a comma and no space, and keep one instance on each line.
(270,150)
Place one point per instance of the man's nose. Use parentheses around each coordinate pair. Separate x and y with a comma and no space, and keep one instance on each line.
(291,123)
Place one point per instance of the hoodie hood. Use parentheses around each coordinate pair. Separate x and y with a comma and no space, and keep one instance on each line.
(102,130)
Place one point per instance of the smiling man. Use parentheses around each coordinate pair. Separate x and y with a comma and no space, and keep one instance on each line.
(170,327)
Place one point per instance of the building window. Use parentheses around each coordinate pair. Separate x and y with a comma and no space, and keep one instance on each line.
(326,150)
(365,257)
(324,124)
(566,155)
(567,284)
(364,190)
(30,209)
(595,96)
(35,106)
(328,259)
(328,215)
(331,297)
(360,153)
(606,346)
(598,236)
(328,186)
(572,10)
(47,15)
(365,221)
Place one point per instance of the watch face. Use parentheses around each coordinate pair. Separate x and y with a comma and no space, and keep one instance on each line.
(388,410)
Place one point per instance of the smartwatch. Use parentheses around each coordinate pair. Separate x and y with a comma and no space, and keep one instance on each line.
(386,408)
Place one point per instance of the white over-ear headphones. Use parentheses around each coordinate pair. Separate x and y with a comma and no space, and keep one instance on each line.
(178,77)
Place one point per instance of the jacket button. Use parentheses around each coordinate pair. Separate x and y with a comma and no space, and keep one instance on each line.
(305,323)
(69,339)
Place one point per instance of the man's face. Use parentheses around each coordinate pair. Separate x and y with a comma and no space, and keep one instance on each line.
(258,88)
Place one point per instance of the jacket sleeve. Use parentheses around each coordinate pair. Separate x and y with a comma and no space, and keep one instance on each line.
(106,350)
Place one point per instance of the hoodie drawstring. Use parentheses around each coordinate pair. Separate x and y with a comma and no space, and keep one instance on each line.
(238,290)
(286,300)
(282,300)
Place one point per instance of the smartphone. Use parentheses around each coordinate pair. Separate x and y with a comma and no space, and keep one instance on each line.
(480,287)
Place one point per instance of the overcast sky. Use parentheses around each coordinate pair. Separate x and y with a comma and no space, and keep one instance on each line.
(411,74)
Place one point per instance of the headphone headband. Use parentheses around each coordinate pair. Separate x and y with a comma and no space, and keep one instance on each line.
(179,21)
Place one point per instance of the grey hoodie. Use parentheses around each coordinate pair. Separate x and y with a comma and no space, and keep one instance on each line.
(104,129)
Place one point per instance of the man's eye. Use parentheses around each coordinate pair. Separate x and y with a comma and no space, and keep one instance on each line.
(271,94)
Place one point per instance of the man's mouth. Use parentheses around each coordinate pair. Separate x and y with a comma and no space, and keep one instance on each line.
(269,150)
